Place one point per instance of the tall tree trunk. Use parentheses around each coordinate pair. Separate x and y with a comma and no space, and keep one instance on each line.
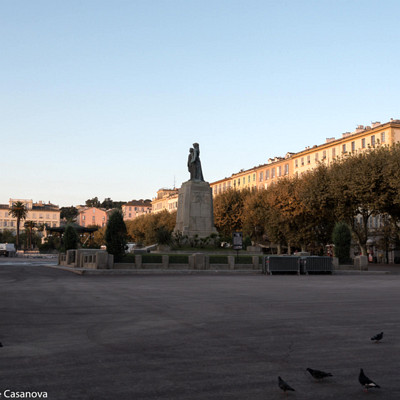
(18,220)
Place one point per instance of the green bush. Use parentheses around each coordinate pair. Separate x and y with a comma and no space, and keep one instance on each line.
(152,258)
(244,260)
(70,238)
(179,259)
(341,238)
(217,259)
(116,235)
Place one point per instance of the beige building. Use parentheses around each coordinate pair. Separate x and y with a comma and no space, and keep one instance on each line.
(167,199)
(41,213)
(362,139)
(135,208)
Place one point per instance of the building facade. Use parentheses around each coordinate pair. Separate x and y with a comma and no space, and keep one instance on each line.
(167,199)
(40,213)
(136,208)
(362,139)
(92,216)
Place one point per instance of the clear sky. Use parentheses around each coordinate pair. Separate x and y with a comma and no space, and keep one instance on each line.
(105,98)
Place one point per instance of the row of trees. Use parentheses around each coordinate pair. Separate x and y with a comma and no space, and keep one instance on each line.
(114,236)
(70,213)
(302,211)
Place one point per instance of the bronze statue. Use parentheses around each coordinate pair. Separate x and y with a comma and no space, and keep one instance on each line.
(190,164)
(194,164)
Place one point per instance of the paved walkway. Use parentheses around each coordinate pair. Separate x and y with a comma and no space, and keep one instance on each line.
(184,337)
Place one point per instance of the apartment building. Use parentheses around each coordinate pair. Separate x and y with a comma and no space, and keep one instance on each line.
(362,139)
(257,177)
(41,213)
(167,199)
(135,208)
(92,216)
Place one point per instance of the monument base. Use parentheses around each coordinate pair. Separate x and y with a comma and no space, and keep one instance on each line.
(195,210)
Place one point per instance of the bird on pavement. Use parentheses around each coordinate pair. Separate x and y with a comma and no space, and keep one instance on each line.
(318,375)
(366,382)
(378,337)
(284,385)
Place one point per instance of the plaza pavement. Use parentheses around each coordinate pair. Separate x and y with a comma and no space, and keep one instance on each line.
(203,336)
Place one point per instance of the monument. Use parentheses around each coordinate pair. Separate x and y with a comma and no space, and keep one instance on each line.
(195,204)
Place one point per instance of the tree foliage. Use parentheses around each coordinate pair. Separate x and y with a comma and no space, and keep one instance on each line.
(302,211)
(229,212)
(68,213)
(70,238)
(18,211)
(93,202)
(152,228)
(116,235)
(341,238)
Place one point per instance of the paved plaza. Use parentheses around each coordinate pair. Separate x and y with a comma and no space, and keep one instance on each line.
(196,336)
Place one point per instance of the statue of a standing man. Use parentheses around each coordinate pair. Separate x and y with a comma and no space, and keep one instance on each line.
(194,164)
(191,166)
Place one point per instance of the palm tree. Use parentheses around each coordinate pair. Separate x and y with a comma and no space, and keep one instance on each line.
(19,211)
(29,225)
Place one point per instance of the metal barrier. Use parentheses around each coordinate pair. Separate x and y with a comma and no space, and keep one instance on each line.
(281,264)
(317,264)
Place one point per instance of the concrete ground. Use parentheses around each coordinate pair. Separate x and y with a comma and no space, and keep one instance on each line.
(208,336)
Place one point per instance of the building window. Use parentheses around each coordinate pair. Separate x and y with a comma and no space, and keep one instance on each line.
(373,140)
(308,160)
(324,154)
(244,180)
(316,156)
(267,174)
(353,147)
(238,182)
(254,177)
(286,169)
(302,161)
(344,149)
(296,163)
(261,176)
(363,145)
(83,217)
(279,171)
(334,152)
(248,179)
(273,173)
(383,138)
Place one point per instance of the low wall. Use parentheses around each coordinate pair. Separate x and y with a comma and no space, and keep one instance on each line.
(197,261)
(87,258)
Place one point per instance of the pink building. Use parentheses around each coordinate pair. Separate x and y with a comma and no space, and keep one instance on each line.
(92,216)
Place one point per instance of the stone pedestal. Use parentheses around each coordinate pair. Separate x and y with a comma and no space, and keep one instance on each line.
(195,210)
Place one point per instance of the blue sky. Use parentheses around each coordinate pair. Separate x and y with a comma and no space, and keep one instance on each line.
(105,98)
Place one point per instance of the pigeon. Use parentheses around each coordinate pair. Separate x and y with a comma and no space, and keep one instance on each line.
(366,382)
(283,385)
(378,337)
(318,375)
